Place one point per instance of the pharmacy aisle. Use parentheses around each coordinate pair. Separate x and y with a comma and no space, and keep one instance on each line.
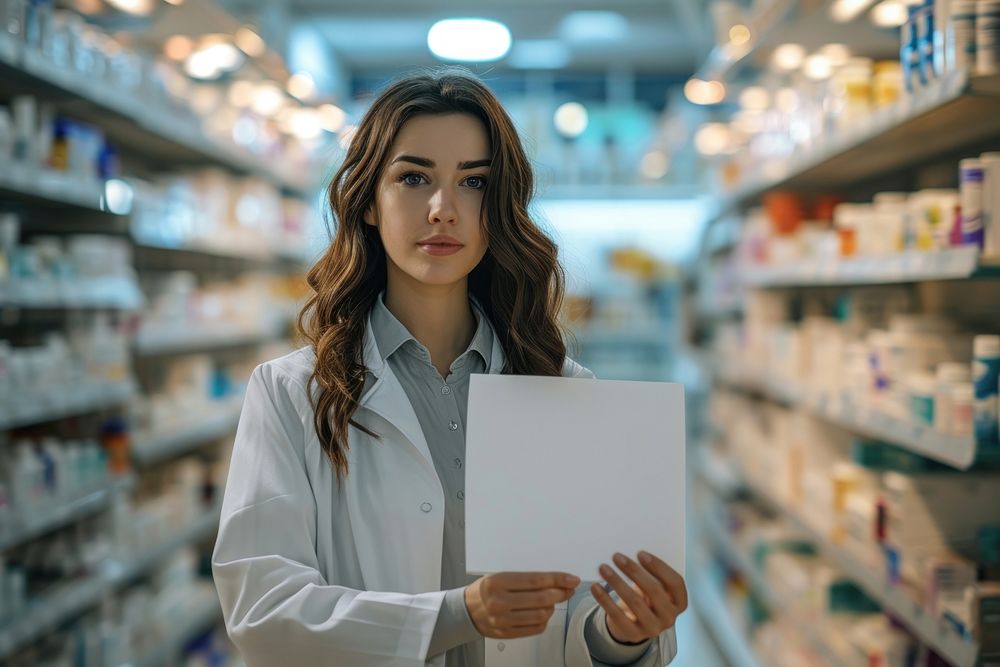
(846,486)
(148,261)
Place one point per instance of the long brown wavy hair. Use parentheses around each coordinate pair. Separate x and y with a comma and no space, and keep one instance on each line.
(519,283)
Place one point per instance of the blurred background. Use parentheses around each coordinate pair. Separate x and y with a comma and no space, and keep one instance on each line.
(792,208)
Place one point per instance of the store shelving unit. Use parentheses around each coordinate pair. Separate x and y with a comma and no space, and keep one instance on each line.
(118,293)
(952,112)
(50,187)
(26,528)
(959,452)
(205,612)
(150,344)
(71,599)
(906,267)
(726,60)
(83,399)
(173,135)
(153,448)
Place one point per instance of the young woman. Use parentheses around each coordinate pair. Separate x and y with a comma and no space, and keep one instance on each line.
(342,533)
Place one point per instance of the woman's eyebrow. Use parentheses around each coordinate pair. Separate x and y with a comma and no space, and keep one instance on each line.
(425,162)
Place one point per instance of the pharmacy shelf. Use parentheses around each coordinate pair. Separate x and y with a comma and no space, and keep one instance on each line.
(205,612)
(955,111)
(71,599)
(173,135)
(710,605)
(738,560)
(60,405)
(153,448)
(114,292)
(932,631)
(905,267)
(956,451)
(150,343)
(273,257)
(45,185)
(24,528)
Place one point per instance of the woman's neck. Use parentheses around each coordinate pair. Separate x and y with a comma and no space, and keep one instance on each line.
(440,318)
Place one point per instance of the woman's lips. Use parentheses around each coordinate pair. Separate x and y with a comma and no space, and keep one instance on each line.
(440,249)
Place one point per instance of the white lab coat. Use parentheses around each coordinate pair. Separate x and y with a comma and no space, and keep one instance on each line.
(315,572)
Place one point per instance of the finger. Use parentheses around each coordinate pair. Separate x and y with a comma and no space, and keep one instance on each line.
(534,599)
(671,579)
(633,632)
(533,581)
(651,588)
(644,615)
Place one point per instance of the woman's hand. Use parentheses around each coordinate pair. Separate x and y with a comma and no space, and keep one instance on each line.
(517,604)
(648,606)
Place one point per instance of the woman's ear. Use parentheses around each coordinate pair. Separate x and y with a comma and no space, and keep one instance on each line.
(369,216)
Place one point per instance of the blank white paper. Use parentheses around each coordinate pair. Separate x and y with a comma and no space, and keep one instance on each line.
(563,472)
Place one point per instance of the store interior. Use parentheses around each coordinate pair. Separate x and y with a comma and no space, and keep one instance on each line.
(791,208)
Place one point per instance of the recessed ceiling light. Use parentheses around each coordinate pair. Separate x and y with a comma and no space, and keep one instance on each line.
(788,57)
(845,11)
(889,14)
(571,119)
(818,67)
(699,91)
(469,40)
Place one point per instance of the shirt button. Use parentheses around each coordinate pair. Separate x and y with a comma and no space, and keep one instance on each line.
(426,507)
(458,463)
(501,646)
(446,390)
(453,426)
(461,495)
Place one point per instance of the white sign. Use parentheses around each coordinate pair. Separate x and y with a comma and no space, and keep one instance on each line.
(561,473)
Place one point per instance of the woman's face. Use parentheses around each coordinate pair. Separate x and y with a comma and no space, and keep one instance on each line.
(428,201)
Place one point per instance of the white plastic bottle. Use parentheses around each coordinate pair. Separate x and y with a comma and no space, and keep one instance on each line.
(963,31)
(986,379)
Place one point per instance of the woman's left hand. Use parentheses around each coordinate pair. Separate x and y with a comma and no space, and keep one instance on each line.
(648,606)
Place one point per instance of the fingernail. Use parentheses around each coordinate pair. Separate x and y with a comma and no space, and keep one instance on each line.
(645,558)
(572,580)
(620,560)
(605,570)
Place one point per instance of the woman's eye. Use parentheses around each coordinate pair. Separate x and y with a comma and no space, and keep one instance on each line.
(476,182)
(412,179)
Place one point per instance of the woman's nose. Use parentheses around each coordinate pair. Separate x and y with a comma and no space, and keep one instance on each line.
(442,207)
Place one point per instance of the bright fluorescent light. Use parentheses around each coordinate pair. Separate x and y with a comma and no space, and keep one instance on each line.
(739,35)
(845,11)
(788,57)
(214,59)
(654,165)
(302,86)
(250,42)
(699,91)
(818,67)
(837,54)
(539,54)
(178,47)
(712,139)
(118,196)
(755,98)
(571,119)
(469,40)
(889,14)
(137,7)
(332,118)
(268,99)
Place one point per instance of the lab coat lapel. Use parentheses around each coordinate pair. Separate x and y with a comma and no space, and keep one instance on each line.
(388,400)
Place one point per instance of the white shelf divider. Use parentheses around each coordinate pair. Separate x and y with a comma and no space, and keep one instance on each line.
(905,267)
(932,631)
(152,343)
(83,399)
(956,451)
(42,521)
(71,599)
(116,292)
(151,449)
(51,185)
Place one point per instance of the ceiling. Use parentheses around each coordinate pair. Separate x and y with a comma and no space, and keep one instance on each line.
(371,35)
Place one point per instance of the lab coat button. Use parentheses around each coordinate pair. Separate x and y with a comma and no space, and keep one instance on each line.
(461,495)
(446,390)
(501,646)
(426,507)
(453,426)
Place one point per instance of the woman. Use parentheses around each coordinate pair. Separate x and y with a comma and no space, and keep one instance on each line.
(342,532)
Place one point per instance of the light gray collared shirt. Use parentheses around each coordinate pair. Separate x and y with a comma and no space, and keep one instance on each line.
(441,406)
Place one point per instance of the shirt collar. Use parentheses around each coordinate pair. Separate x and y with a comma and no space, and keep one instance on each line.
(391,334)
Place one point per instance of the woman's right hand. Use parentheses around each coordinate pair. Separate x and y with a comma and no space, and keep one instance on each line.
(508,605)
